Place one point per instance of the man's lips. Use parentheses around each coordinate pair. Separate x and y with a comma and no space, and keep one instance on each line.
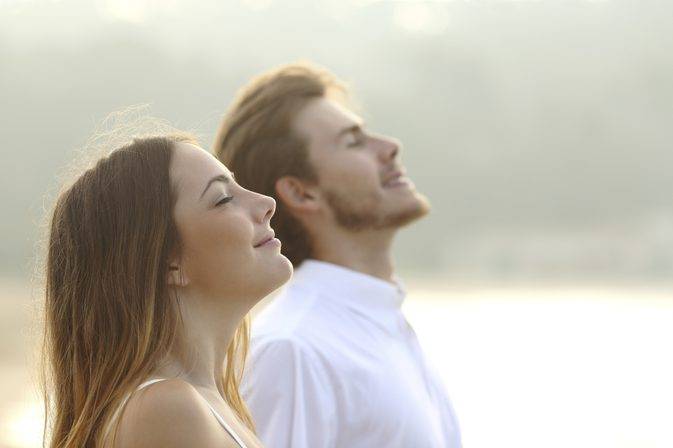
(395,174)
(395,178)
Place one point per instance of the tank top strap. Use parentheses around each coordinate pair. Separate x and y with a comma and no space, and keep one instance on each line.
(149,383)
(120,408)
(217,416)
(225,425)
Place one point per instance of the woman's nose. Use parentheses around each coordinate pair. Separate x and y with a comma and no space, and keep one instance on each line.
(267,208)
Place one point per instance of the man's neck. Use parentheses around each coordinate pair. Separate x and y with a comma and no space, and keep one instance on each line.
(368,252)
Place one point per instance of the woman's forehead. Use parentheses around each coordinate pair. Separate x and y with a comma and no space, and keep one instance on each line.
(193,166)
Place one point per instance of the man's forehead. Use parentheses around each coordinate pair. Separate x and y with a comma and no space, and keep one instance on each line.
(325,116)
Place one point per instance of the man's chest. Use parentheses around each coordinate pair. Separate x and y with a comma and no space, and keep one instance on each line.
(385,392)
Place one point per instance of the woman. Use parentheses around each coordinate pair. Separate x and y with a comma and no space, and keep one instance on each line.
(155,257)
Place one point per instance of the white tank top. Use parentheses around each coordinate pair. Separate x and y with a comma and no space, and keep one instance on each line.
(217,416)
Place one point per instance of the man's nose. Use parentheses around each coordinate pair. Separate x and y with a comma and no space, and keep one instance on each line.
(389,148)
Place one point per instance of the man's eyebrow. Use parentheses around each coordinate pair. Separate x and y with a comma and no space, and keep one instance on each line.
(218,178)
(355,128)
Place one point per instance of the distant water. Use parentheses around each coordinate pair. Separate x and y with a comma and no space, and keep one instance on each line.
(525,368)
(547,369)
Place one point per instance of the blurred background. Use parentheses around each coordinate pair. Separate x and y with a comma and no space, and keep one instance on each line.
(540,130)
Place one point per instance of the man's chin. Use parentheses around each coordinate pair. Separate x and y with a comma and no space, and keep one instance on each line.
(410,213)
(396,212)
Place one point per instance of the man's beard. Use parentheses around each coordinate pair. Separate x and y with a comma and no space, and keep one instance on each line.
(368,216)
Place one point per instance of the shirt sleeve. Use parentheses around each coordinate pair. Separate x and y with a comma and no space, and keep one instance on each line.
(288,392)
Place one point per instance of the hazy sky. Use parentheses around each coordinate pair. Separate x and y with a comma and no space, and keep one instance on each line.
(534,125)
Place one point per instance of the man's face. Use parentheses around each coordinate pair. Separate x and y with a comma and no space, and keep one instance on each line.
(360,177)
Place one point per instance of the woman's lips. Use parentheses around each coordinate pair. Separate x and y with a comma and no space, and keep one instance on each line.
(268,240)
(272,242)
(265,239)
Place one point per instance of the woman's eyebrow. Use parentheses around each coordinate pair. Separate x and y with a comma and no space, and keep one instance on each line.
(219,178)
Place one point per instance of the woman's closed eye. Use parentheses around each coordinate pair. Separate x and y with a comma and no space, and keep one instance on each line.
(223,201)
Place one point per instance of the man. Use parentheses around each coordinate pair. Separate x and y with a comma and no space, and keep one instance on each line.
(333,361)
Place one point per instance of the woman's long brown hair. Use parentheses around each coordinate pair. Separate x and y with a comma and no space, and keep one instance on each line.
(110,316)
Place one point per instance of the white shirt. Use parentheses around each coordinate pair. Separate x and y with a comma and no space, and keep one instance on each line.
(334,364)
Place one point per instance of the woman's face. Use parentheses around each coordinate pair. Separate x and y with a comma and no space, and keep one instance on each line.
(227,245)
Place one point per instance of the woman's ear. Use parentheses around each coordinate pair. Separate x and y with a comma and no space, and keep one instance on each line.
(176,275)
(298,195)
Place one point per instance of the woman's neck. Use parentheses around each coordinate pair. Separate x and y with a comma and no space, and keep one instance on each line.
(200,349)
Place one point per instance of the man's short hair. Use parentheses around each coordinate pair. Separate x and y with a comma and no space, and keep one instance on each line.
(257,143)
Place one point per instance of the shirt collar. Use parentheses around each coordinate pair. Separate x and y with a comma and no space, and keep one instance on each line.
(349,286)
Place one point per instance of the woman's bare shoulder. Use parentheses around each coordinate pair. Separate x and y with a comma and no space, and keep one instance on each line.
(169,414)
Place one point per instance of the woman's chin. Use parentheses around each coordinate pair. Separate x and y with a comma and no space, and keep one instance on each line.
(285,270)
(277,274)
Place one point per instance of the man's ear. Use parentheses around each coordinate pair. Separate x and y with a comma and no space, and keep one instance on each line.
(298,195)
(176,275)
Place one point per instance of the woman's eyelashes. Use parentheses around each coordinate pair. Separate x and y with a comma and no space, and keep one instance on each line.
(223,201)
